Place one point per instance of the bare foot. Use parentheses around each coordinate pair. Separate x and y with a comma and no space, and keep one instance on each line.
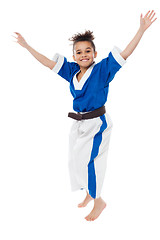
(99,206)
(86,201)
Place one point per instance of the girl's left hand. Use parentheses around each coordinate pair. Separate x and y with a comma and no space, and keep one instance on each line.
(147,20)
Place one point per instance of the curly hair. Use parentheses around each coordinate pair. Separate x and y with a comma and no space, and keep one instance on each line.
(86,36)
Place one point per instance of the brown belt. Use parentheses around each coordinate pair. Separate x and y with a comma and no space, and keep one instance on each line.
(89,115)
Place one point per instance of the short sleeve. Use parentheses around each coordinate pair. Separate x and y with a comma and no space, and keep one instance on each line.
(117,56)
(112,64)
(64,68)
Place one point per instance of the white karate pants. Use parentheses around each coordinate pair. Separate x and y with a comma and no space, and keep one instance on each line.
(88,149)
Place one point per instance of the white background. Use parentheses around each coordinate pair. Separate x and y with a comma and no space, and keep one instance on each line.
(36,202)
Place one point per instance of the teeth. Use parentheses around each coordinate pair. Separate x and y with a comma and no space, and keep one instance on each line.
(85,60)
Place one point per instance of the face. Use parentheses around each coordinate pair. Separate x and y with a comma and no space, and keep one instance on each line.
(84,54)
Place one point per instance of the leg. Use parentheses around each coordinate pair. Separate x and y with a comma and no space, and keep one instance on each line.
(73,136)
(100,168)
(86,201)
(99,206)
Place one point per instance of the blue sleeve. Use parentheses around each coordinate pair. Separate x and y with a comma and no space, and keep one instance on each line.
(64,68)
(111,65)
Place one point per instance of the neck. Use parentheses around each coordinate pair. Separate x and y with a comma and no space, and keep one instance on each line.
(83,69)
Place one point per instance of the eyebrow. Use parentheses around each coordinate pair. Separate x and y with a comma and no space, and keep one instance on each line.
(80,49)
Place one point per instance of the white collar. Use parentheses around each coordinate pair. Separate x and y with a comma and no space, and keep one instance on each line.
(79,85)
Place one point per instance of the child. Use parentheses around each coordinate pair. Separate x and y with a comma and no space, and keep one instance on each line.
(91,129)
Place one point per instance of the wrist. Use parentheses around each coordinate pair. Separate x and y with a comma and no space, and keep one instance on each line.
(141,30)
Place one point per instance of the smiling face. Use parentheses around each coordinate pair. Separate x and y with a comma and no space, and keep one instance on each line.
(84,54)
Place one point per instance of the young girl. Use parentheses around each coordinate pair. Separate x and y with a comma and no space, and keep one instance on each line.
(91,129)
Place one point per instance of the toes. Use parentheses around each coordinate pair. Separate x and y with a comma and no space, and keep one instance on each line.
(89,217)
(80,205)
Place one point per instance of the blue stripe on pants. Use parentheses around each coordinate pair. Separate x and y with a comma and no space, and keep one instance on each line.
(95,149)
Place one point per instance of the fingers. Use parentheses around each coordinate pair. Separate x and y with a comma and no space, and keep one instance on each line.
(18,36)
(14,39)
(154,20)
(17,33)
(14,36)
(150,15)
(147,14)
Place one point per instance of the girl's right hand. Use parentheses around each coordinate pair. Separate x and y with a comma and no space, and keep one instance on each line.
(20,40)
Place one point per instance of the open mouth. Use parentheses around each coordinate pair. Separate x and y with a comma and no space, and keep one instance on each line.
(84,60)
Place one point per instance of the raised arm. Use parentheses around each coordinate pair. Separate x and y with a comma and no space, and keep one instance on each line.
(41,58)
(145,22)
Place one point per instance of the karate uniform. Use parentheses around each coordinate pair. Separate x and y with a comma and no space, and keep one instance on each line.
(89,139)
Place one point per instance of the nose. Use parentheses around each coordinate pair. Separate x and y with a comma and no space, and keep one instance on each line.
(83,54)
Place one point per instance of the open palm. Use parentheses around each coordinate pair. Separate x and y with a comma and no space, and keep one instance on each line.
(147,20)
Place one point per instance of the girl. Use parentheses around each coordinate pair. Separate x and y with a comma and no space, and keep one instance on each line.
(91,129)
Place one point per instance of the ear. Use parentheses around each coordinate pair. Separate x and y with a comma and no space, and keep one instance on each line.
(74,58)
(95,54)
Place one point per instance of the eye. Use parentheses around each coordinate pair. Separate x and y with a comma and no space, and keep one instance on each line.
(78,52)
(88,51)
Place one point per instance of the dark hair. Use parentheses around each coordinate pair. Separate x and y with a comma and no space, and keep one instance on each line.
(86,36)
